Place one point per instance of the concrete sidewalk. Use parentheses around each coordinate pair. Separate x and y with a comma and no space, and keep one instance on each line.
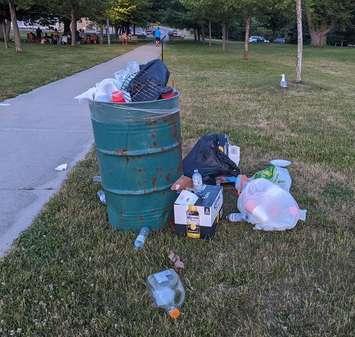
(41,130)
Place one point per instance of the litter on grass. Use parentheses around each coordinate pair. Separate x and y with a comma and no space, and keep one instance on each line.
(267,206)
(62,167)
(102,197)
(142,236)
(96,179)
(167,291)
(176,262)
(277,173)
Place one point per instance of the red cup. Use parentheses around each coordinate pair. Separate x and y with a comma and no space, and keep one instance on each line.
(118,97)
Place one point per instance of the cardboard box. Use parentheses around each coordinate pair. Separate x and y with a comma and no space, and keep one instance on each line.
(200,219)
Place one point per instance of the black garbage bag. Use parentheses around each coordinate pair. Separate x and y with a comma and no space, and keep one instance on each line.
(150,82)
(210,161)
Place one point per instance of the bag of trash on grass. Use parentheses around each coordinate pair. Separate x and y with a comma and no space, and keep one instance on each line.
(208,157)
(267,206)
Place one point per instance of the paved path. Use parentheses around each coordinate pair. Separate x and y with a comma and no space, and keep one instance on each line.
(41,130)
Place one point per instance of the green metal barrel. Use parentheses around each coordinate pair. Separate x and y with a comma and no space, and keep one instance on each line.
(138,147)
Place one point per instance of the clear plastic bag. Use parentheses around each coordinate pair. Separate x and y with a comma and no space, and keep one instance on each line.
(268,206)
(126,74)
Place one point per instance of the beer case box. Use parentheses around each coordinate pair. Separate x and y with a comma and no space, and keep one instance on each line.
(199,221)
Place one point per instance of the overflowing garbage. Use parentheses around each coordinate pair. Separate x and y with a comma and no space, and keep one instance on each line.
(196,197)
(133,83)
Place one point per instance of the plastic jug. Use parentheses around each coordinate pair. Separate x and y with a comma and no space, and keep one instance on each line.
(167,291)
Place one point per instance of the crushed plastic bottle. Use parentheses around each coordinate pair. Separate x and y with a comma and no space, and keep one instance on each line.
(96,179)
(197,182)
(236,217)
(167,291)
(141,237)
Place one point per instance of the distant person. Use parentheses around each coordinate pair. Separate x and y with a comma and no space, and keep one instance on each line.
(124,39)
(81,35)
(157,36)
(39,34)
(64,39)
(55,37)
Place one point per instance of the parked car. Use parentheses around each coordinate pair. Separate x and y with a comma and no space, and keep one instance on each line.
(280,40)
(258,39)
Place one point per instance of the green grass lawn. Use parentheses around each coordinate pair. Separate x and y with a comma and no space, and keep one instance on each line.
(41,64)
(72,275)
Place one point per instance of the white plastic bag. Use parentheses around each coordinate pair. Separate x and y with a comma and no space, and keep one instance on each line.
(268,206)
(104,90)
(277,173)
(128,71)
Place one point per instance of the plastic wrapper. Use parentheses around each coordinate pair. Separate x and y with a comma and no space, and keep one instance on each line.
(277,173)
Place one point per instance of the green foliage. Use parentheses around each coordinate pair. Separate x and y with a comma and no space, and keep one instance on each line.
(127,11)
(325,13)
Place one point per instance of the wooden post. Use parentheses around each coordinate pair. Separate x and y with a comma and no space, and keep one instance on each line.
(17,37)
(4,33)
(299,41)
(224,36)
(246,38)
(108,31)
(73,28)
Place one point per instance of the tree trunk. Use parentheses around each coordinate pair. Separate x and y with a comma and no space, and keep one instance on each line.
(195,34)
(66,23)
(17,37)
(198,33)
(224,36)
(299,41)
(203,34)
(318,32)
(7,29)
(246,38)
(73,27)
(108,31)
(101,36)
(3,29)
(210,33)
(318,38)
(134,29)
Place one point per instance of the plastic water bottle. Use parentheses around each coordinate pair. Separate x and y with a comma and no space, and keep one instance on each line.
(167,291)
(197,182)
(235,217)
(141,237)
(283,82)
